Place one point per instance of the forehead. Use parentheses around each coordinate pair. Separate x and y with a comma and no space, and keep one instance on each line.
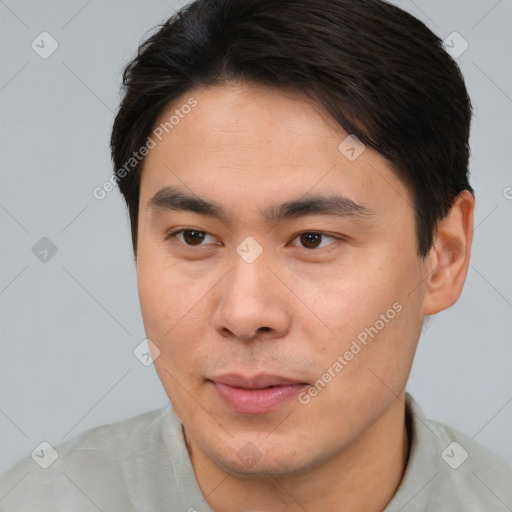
(243,118)
(253,143)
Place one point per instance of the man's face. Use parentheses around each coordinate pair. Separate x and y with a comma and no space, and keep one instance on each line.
(326,306)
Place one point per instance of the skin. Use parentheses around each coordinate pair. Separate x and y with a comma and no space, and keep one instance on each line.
(293,310)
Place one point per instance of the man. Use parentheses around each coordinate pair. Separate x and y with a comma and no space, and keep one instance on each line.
(296,178)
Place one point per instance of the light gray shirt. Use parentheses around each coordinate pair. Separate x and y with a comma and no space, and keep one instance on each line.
(142,464)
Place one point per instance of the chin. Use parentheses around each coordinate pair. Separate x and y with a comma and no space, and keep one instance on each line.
(276,461)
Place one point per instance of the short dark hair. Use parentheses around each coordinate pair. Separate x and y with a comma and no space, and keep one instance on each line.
(380,72)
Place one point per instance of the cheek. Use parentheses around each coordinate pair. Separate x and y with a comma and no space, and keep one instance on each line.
(343,300)
(175,311)
(365,310)
(166,295)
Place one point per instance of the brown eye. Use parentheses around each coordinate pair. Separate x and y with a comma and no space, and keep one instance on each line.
(310,240)
(193,237)
(189,237)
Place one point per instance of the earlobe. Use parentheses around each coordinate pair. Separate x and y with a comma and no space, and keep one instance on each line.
(449,257)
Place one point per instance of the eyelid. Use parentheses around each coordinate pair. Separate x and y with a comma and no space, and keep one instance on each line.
(335,238)
(174,232)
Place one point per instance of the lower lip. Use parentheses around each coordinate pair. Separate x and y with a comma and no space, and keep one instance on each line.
(256,401)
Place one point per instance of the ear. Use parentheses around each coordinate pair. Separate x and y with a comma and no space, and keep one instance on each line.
(448,260)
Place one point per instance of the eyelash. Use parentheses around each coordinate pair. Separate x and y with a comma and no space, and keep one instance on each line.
(174,234)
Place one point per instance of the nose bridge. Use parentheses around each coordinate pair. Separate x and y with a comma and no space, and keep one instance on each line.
(249,299)
(247,279)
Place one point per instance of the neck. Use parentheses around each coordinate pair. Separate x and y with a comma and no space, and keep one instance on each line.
(363,477)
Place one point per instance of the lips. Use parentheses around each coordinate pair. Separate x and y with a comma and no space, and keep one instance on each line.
(255,395)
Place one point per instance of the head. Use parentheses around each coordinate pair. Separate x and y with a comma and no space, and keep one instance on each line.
(297,184)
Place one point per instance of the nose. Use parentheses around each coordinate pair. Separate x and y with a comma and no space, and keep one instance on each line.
(252,304)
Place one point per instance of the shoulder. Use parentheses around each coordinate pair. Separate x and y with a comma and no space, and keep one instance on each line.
(447,470)
(86,469)
(481,478)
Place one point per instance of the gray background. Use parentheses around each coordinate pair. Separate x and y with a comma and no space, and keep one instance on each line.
(69,325)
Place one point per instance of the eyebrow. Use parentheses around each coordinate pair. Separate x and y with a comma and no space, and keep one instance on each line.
(171,198)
